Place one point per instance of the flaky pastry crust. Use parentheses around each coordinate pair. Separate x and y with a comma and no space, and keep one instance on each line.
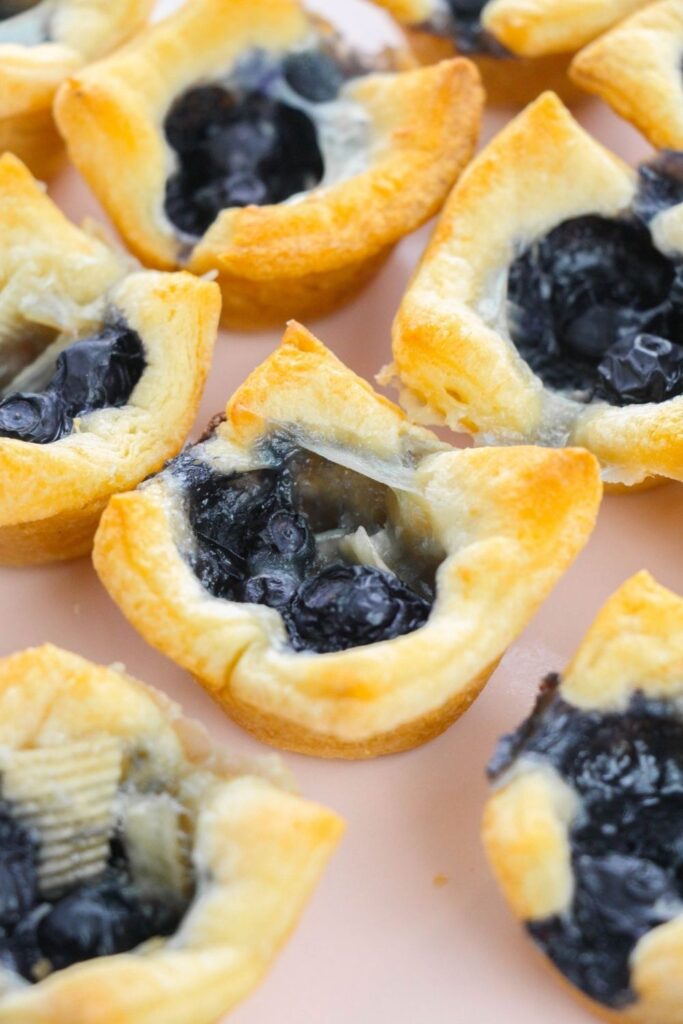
(636,68)
(540,35)
(452,351)
(257,849)
(80,31)
(54,275)
(275,261)
(634,644)
(509,521)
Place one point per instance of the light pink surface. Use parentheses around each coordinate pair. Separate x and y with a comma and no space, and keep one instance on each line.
(381,943)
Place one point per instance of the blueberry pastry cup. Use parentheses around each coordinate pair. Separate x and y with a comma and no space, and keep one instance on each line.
(232,138)
(583,829)
(636,68)
(146,875)
(546,308)
(520,47)
(41,44)
(101,371)
(341,582)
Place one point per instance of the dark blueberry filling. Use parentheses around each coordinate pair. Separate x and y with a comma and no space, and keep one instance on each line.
(107,916)
(627,841)
(463,24)
(256,541)
(597,311)
(95,373)
(248,143)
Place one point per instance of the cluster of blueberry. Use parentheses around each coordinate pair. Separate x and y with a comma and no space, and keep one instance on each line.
(627,856)
(109,915)
(254,544)
(95,373)
(245,145)
(596,309)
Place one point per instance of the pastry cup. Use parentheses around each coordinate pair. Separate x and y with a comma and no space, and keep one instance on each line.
(452,350)
(256,849)
(293,258)
(636,68)
(506,523)
(538,36)
(633,649)
(79,31)
(59,280)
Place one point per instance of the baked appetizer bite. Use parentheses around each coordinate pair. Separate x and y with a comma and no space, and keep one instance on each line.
(548,307)
(146,875)
(338,579)
(520,46)
(637,69)
(584,828)
(102,368)
(41,43)
(240,138)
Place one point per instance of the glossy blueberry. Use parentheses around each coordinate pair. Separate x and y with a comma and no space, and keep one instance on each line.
(314,75)
(627,842)
(647,369)
(660,185)
(273,589)
(99,372)
(94,373)
(39,418)
(253,544)
(349,605)
(288,533)
(591,285)
(236,148)
(18,870)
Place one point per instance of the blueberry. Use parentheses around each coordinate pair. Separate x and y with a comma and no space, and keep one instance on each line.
(314,75)
(273,589)
(99,372)
(38,418)
(100,920)
(191,116)
(589,285)
(236,148)
(94,373)
(645,369)
(627,842)
(349,605)
(288,533)
(18,871)
(660,185)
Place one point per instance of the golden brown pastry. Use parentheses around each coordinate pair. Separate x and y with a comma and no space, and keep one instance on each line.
(41,43)
(239,138)
(340,581)
(146,876)
(520,46)
(583,830)
(547,307)
(636,68)
(102,368)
